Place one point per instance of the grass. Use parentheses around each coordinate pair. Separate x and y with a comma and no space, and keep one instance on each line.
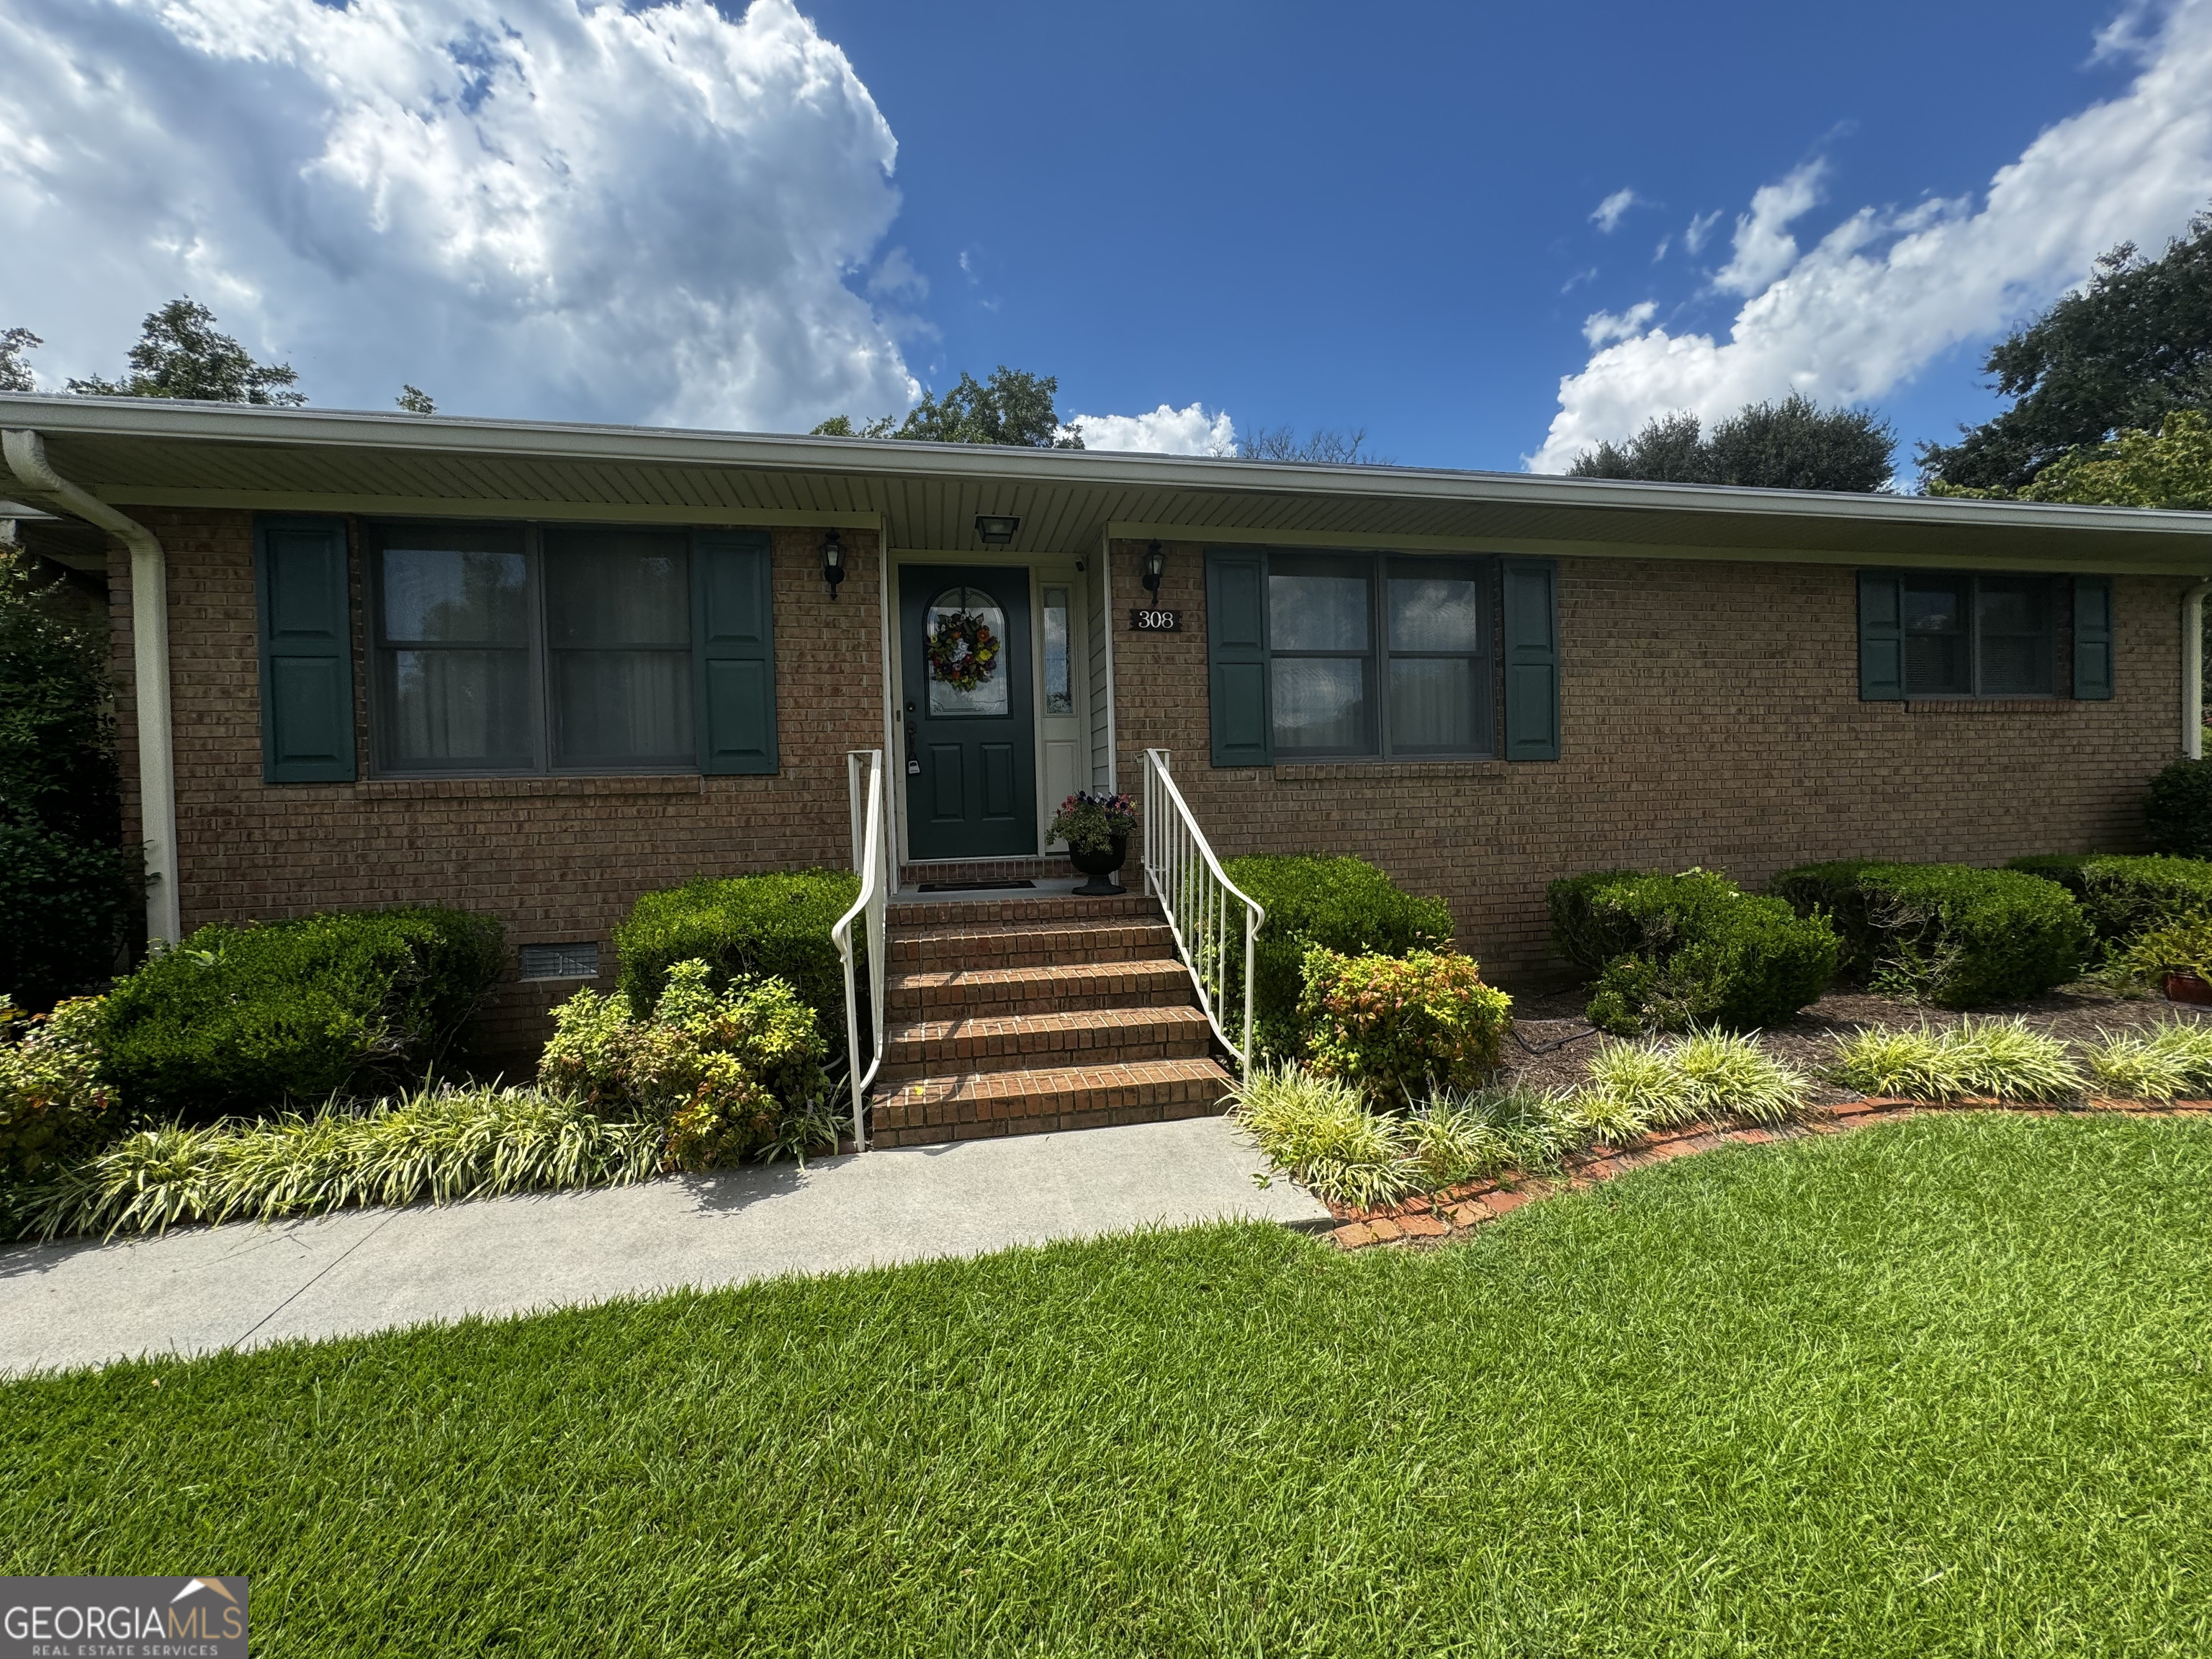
(439,1145)
(1939,1388)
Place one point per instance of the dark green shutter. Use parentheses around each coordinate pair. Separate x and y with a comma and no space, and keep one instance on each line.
(1236,659)
(2093,638)
(733,622)
(307,650)
(1881,636)
(1532,659)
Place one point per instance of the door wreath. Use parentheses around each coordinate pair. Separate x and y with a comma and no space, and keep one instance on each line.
(962,651)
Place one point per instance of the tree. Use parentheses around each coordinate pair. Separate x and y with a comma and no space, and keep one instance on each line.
(2120,353)
(415,400)
(1012,408)
(66,886)
(14,373)
(1792,445)
(1324,445)
(2171,468)
(180,354)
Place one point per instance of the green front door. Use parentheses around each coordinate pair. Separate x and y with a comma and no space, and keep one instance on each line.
(970,760)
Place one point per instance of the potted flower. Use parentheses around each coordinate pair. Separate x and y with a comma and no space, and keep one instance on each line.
(2176,957)
(1097,830)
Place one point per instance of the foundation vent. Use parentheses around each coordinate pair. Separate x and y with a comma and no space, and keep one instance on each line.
(580,961)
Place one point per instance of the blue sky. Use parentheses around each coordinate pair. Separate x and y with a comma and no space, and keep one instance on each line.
(1379,216)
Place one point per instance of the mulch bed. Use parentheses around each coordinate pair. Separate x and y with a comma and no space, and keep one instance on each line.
(1437,1216)
(1553,1042)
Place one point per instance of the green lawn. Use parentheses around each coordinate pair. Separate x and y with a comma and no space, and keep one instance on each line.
(1939,1387)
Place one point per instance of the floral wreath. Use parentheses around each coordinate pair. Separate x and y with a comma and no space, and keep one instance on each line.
(962,651)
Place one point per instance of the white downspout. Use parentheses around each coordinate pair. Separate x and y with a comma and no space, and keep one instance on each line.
(26,454)
(2192,670)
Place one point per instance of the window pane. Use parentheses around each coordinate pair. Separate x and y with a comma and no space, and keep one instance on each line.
(458,707)
(1436,614)
(1936,638)
(1320,703)
(622,707)
(2019,649)
(1317,609)
(606,588)
(972,625)
(468,596)
(1433,704)
(1059,689)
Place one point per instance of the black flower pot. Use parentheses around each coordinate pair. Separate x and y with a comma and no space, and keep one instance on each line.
(1100,867)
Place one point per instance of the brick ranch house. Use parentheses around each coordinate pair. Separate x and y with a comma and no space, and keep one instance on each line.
(536,669)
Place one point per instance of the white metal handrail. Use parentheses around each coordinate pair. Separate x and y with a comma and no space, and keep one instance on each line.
(1182,871)
(872,853)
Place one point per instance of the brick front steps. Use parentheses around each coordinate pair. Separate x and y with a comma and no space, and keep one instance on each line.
(1023,1014)
(1464,1208)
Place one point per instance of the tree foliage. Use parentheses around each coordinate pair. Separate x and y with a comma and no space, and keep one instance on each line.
(182,354)
(415,400)
(1013,409)
(1792,445)
(2118,355)
(14,373)
(2171,467)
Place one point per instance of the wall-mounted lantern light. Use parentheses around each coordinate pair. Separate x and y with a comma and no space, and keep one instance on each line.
(833,562)
(1156,565)
(996,532)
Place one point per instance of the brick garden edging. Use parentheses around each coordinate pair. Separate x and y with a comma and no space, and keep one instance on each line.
(1473,1204)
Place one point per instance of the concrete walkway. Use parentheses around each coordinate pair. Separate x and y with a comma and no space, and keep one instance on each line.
(203,1289)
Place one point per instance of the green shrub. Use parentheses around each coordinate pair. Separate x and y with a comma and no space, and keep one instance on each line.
(2174,1057)
(66,910)
(1401,1028)
(239,1020)
(54,1108)
(1998,1059)
(441,1145)
(1342,904)
(1946,934)
(1674,952)
(726,1073)
(2124,897)
(2180,946)
(2178,815)
(744,927)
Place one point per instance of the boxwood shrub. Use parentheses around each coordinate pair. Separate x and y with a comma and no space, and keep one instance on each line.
(775,924)
(2124,897)
(1951,934)
(1672,952)
(2179,814)
(1341,904)
(241,1020)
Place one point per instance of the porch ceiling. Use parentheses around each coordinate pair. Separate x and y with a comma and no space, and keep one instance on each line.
(134,452)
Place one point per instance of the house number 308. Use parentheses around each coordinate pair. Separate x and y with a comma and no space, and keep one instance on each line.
(1155,622)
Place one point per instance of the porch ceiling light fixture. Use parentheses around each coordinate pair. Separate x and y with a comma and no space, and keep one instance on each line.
(1156,566)
(996,532)
(833,562)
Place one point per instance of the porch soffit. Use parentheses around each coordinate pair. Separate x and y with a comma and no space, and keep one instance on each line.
(140,453)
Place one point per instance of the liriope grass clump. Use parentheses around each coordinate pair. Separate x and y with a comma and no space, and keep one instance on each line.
(442,1144)
(1708,1076)
(1993,1059)
(2170,1058)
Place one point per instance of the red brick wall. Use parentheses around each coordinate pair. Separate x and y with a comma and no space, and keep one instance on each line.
(1710,716)
(555,858)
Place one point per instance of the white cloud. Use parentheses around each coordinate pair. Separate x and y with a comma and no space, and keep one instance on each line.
(1601,326)
(1660,252)
(1883,293)
(1700,227)
(1165,431)
(529,206)
(1764,247)
(1607,213)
